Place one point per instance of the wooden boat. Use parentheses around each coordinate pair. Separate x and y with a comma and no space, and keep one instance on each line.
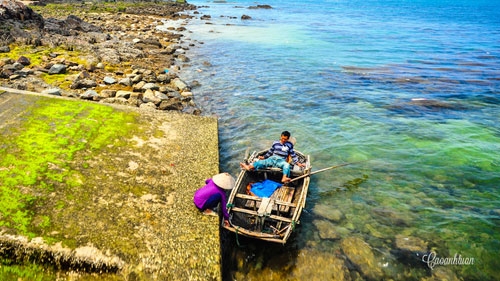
(270,218)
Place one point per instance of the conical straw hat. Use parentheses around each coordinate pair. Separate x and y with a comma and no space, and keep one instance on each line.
(224,180)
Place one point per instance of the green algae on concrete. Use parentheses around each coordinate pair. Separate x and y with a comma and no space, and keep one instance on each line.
(121,180)
(37,154)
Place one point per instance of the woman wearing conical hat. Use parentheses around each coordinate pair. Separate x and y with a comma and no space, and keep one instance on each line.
(213,193)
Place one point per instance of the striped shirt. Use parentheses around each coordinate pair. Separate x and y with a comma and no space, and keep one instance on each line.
(282,150)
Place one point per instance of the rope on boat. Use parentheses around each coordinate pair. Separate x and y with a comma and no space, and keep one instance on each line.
(236,232)
(238,240)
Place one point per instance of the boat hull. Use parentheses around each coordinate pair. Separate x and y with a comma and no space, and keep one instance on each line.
(271,218)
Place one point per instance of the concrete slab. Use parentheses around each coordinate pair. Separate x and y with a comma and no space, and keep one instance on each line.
(100,188)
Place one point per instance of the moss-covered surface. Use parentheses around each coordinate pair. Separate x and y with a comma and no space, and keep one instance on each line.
(78,173)
(58,9)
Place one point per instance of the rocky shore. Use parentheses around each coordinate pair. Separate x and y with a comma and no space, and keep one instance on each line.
(111,195)
(104,52)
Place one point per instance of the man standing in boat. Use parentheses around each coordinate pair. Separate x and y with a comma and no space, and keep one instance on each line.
(277,156)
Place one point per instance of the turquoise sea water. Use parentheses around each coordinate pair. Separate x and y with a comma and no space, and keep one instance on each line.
(411,86)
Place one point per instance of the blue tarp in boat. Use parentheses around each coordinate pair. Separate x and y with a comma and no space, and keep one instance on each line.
(265,188)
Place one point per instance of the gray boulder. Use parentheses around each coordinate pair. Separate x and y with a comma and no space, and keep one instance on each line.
(57,68)
(52,91)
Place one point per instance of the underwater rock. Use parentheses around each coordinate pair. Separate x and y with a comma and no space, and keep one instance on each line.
(360,254)
(328,213)
(266,6)
(311,263)
(413,244)
(328,230)
(442,273)
(390,217)
(409,250)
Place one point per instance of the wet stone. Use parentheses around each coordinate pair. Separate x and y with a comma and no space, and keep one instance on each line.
(361,255)
(328,230)
(328,213)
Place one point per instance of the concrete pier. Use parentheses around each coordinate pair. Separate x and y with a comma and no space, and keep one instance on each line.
(105,191)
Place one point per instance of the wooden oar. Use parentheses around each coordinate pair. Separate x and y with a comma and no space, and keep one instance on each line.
(325,169)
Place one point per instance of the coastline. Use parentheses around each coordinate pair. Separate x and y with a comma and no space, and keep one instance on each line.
(104,192)
(120,207)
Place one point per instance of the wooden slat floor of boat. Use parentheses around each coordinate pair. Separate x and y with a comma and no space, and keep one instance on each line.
(250,212)
(258,199)
(284,194)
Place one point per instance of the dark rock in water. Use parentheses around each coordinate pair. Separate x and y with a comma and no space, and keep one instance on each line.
(431,103)
(390,217)
(424,105)
(328,230)
(246,17)
(361,255)
(410,250)
(260,7)
(409,243)
(328,212)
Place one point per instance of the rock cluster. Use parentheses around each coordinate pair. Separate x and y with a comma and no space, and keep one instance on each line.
(16,11)
(120,58)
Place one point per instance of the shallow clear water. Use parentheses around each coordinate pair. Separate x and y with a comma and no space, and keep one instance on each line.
(411,86)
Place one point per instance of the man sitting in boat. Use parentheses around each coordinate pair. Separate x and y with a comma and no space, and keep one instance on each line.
(277,157)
